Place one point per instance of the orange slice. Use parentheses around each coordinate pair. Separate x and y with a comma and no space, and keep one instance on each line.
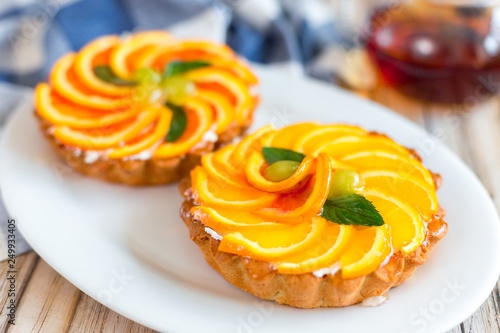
(237,67)
(346,145)
(92,113)
(325,252)
(158,57)
(219,171)
(61,112)
(224,111)
(208,47)
(66,83)
(287,136)
(85,63)
(408,189)
(382,159)
(234,85)
(221,195)
(199,119)
(99,138)
(226,221)
(407,227)
(160,131)
(256,165)
(249,144)
(224,158)
(267,243)
(309,141)
(368,249)
(315,200)
(122,57)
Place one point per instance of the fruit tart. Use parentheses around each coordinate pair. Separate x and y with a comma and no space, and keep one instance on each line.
(142,109)
(314,215)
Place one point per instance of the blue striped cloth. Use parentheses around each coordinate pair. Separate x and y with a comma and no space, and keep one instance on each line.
(294,34)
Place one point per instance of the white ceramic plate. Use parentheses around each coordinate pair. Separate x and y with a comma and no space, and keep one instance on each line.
(128,248)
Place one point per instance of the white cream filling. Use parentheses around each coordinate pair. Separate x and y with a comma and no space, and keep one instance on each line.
(145,154)
(77,152)
(375,300)
(142,156)
(210,136)
(91,156)
(332,270)
(212,233)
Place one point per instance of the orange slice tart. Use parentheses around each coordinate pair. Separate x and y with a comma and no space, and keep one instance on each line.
(314,215)
(144,108)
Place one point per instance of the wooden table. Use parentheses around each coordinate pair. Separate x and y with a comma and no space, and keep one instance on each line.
(49,303)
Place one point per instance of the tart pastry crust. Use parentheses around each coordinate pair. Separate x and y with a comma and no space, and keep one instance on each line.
(306,291)
(137,172)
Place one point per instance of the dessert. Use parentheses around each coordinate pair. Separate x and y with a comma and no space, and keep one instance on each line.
(314,215)
(142,109)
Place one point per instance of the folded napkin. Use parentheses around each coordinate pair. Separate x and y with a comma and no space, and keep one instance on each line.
(296,35)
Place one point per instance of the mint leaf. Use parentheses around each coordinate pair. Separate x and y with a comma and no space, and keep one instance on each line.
(352,209)
(106,74)
(279,154)
(178,67)
(178,124)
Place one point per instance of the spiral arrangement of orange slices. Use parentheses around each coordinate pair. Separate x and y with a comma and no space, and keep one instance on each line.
(122,120)
(280,222)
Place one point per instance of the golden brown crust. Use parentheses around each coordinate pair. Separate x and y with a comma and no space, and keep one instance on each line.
(261,279)
(137,172)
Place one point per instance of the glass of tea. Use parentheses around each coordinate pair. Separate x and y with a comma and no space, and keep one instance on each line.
(444,51)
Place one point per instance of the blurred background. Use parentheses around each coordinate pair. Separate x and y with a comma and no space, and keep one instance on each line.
(443,51)
(287,33)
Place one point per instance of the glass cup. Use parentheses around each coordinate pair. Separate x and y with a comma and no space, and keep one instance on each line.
(444,51)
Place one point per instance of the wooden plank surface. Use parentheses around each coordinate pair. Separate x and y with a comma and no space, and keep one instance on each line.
(49,303)
(474,135)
